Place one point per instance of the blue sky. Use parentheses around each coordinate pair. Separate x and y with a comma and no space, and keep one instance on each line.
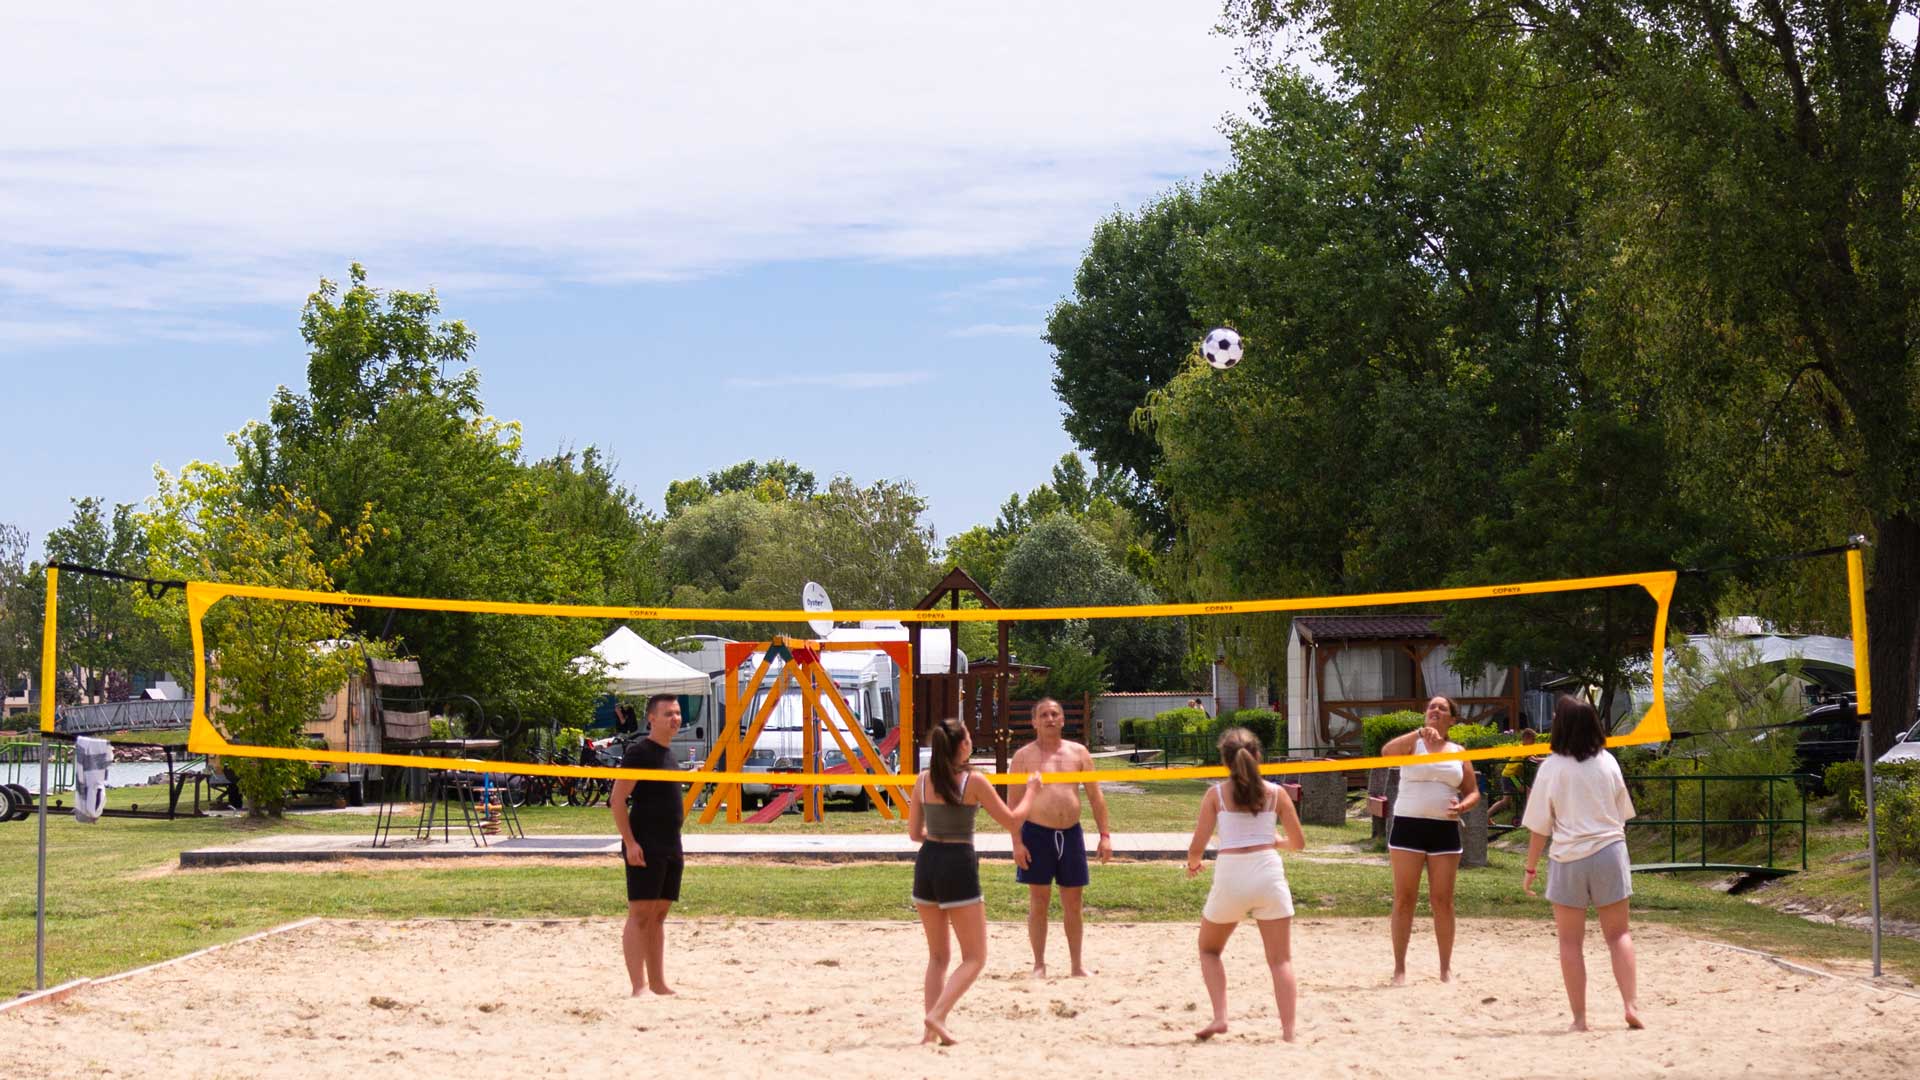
(687,238)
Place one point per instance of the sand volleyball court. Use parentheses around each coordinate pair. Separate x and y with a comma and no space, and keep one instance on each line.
(769,997)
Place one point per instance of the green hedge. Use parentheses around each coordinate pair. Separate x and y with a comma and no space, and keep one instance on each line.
(1269,726)
(1377,731)
(1847,782)
(1182,721)
(1896,810)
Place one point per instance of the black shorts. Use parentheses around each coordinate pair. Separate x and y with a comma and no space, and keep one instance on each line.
(658,880)
(1429,836)
(946,875)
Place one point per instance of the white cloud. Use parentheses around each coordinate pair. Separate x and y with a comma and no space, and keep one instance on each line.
(998,330)
(845,380)
(223,153)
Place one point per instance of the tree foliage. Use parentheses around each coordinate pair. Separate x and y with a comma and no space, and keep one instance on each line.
(384,429)
(1058,563)
(1745,233)
(269,663)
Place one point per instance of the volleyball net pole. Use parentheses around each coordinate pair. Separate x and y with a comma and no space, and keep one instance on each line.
(1863,710)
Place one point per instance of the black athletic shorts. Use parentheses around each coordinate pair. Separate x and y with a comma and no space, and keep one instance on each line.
(658,880)
(1429,836)
(946,875)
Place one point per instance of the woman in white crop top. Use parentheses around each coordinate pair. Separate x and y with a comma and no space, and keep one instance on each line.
(1248,878)
(1425,834)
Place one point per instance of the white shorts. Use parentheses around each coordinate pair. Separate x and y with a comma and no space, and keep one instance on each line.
(1248,883)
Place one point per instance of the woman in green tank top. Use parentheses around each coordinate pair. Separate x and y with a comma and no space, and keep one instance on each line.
(946,872)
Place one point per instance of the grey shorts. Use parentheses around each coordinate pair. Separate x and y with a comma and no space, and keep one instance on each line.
(1602,878)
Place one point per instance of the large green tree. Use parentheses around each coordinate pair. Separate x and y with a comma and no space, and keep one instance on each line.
(22,609)
(270,664)
(1059,563)
(392,425)
(1749,235)
(1413,383)
(1124,332)
(103,639)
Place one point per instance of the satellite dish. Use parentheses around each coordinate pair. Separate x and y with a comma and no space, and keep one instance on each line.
(814,598)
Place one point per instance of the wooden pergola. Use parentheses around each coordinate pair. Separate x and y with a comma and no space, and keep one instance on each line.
(1326,637)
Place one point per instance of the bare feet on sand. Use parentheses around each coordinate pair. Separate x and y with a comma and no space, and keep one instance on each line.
(1039,971)
(1633,1019)
(1080,972)
(1218,1027)
(1577,1025)
(1399,979)
(937,1032)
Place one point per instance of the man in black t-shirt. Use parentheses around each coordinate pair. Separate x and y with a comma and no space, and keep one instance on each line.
(648,814)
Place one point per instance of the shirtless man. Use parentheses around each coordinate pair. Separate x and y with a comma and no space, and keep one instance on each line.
(1051,847)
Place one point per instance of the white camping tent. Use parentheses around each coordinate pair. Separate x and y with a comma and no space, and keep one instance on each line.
(635,666)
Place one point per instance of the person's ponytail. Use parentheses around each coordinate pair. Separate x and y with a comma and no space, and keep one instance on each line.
(1241,753)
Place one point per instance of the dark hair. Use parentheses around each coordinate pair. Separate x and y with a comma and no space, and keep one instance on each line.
(945,739)
(1241,753)
(1453,708)
(1577,731)
(658,700)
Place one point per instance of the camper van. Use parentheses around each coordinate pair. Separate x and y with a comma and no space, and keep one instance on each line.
(345,719)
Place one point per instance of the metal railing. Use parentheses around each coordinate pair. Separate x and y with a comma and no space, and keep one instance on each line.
(20,763)
(1772,822)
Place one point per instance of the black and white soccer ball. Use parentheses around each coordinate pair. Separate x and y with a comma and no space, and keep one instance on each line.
(1222,347)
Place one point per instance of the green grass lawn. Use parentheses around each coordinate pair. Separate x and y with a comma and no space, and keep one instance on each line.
(117,900)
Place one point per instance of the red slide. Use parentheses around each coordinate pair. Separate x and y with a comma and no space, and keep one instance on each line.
(781,802)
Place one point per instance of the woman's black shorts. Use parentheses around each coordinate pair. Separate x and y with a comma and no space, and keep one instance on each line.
(1429,836)
(946,875)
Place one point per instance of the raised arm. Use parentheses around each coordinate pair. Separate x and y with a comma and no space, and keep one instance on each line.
(996,808)
(1403,744)
(1203,830)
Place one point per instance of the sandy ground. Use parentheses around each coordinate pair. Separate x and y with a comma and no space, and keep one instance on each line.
(763,997)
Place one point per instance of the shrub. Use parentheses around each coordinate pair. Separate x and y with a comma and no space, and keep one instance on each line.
(1847,781)
(1266,724)
(1377,730)
(1477,736)
(1182,721)
(1896,810)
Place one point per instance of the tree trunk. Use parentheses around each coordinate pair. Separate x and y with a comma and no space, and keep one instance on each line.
(1893,627)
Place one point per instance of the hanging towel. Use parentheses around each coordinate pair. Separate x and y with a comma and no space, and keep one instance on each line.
(90,759)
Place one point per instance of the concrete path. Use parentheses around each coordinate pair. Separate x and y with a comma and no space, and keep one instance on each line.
(841,847)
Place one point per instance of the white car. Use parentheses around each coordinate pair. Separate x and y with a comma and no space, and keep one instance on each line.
(1906,749)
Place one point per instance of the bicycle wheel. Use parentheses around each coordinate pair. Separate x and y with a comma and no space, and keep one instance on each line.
(578,792)
(539,791)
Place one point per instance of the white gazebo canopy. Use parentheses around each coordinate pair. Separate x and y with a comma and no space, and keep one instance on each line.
(636,666)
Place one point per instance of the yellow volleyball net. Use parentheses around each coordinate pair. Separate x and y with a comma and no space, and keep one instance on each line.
(235,632)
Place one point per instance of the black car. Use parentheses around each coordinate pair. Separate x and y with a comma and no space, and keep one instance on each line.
(1830,733)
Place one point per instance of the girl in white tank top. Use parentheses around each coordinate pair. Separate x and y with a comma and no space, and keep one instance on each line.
(1248,878)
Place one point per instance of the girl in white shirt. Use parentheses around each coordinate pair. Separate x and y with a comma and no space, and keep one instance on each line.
(1426,833)
(1580,800)
(1248,878)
